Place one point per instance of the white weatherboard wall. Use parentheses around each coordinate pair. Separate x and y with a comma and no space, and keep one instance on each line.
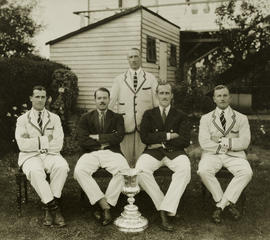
(98,55)
(162,31)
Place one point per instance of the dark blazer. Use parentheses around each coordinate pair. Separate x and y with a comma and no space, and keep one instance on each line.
(153,131)
(113,131)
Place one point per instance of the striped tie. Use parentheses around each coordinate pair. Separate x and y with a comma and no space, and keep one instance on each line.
(135,80)
(39,120)
(222,120)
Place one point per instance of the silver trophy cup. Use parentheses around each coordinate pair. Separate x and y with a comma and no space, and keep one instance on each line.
(131,219)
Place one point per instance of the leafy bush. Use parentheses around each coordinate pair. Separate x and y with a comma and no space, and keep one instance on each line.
(18,76)
(191,99)
(64,93)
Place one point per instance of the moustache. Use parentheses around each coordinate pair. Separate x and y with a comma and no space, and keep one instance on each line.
(102,103)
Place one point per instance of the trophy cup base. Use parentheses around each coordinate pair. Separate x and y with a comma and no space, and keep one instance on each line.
(131,221)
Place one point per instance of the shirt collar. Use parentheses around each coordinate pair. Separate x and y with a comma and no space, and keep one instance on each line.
(36,113)
(226,111)
(167,109)
(99,112)
(132,71)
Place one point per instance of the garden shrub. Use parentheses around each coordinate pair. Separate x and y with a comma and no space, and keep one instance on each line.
(18,76)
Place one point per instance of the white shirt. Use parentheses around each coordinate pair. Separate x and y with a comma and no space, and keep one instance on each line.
(132,71)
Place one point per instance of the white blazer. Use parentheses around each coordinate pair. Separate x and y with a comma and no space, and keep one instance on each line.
(31,139)
(237,130)
(130,103)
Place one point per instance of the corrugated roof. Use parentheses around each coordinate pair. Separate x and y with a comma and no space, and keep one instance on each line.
(105,20)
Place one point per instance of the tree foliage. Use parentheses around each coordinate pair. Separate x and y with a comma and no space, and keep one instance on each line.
(17,28)
(243,29)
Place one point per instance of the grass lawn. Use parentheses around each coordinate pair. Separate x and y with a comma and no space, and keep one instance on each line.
(194,222)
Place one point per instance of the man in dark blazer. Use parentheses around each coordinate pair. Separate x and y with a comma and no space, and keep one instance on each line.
(166,132)
(100,133)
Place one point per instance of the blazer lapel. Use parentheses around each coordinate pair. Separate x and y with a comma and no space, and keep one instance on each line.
(157,116)
(230,122)
(107,121)
(128,82)
(46,119)
(32,120)
(141,80)
(96,121)
(217,123)
(170,115)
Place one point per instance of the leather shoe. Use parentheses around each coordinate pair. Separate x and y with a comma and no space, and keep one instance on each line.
(234,212)
(48,219)
(97,215)
(58,218)
(216,216)
(165,225)
(107,218)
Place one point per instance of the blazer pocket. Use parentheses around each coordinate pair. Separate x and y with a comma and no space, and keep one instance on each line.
(121,103)
(235,132)
(146,88)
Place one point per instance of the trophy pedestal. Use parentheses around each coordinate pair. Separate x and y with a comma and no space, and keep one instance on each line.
(131,219)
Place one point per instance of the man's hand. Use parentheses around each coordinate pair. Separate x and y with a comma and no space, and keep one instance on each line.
(50,137)
(215,139)
(94,136)
(224,143)
(25,135)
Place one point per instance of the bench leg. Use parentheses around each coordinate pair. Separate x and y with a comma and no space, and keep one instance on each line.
(19,195)
(25,189)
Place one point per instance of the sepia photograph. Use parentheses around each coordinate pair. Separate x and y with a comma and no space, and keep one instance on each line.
(134,119)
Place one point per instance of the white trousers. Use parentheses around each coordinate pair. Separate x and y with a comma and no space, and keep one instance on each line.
(90,163)
(180,178)
(209,165)
(132,147)
(35,168)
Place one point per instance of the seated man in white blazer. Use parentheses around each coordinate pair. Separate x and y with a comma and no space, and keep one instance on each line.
(224,135)
(39,135)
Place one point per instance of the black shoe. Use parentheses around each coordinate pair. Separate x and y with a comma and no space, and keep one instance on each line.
(97,215)
(107,218)
(216,216)
(48,219)
(165,225)
(58,218)
(235,214)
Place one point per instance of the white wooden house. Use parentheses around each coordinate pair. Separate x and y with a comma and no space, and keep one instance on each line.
(98,52)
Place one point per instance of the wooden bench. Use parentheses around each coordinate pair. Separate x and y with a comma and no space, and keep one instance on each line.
(102,173)
(22,186)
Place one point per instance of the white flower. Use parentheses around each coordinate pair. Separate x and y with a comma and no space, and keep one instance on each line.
(14,108)
(49,100)
(61,90)
(8,114)
(24,105)
(15,115)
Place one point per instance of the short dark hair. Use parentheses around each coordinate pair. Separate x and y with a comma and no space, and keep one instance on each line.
(102,89)
(218,87)
(162,84)
(40,88)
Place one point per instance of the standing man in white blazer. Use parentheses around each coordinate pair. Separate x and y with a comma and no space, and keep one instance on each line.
(134,92)
(224,135)
(39,135)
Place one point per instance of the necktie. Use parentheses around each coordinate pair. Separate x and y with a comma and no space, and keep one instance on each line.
(164,115)
(135,80)
(102,122)
(222,120)
(39,120)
